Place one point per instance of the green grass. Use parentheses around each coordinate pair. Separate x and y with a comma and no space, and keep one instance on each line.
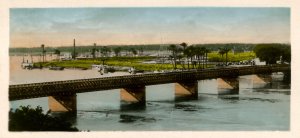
(136,62)
(216,57)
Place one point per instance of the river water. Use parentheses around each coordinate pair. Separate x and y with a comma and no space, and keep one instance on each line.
(260,105)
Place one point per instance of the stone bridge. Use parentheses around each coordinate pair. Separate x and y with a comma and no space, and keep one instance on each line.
(62,94)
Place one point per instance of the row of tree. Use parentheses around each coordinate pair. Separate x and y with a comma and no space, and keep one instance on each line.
(237,47)
(196,55)
(271,53)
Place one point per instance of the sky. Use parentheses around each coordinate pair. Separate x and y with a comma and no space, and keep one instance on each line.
(31,27)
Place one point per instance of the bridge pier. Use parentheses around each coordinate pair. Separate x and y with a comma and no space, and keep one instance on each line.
(231,84)
(261,80)
(63,103)
(134,95)
(267,78)
(186,89)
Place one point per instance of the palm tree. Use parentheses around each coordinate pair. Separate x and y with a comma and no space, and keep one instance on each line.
(221,52)
(173,56)
(104,54)
(206,56)
(184,45)
(189,53)
(198,53)
(226,50)
(43,52)
(202,53)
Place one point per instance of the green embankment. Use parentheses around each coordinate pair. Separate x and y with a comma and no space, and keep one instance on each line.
(216,57)
(136,62)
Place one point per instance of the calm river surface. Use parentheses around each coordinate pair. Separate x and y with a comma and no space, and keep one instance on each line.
(258,106)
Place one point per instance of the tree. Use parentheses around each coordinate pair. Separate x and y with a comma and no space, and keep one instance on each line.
(270,53)
(175,53)
(104,54)
(26,118)
(117,51)
(94,50)
(173,56)
(57,53)
(199,52)
(202,55)
(206,56)
(286,54)
(221,52)
(189,53)
(141,51)
(184,45)
(179,57)
(134,52)
(225,51)
(105,51)
(43,52)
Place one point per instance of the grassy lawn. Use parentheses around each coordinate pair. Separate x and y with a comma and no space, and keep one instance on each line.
(136,62)
(216,57)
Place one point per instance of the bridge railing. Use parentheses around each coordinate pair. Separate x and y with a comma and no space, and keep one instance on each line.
(23,91)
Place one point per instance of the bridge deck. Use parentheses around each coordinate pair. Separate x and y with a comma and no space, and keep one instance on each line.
(59,88)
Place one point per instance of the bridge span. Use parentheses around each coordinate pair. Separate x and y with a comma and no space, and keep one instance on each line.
(62,94)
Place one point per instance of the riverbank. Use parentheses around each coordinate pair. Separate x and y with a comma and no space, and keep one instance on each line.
(87,64)
(139,62)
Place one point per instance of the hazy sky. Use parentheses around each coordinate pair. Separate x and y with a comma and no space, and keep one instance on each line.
(105,26)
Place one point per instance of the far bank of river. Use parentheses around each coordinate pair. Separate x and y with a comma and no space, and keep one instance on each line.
(146,63)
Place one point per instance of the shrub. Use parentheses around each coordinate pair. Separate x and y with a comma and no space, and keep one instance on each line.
(26,118)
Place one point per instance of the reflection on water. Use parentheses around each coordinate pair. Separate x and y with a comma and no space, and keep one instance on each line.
(185,98)
(258,105)
(131,118)
(69,117)
(132,106)
(230,99)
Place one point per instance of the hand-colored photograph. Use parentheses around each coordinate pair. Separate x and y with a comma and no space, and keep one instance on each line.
(149,69)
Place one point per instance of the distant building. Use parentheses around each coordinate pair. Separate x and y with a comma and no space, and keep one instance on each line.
(65,56)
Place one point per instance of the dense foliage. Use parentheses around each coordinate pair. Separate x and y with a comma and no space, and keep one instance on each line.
(237,47)
(26,118)
(271,53)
